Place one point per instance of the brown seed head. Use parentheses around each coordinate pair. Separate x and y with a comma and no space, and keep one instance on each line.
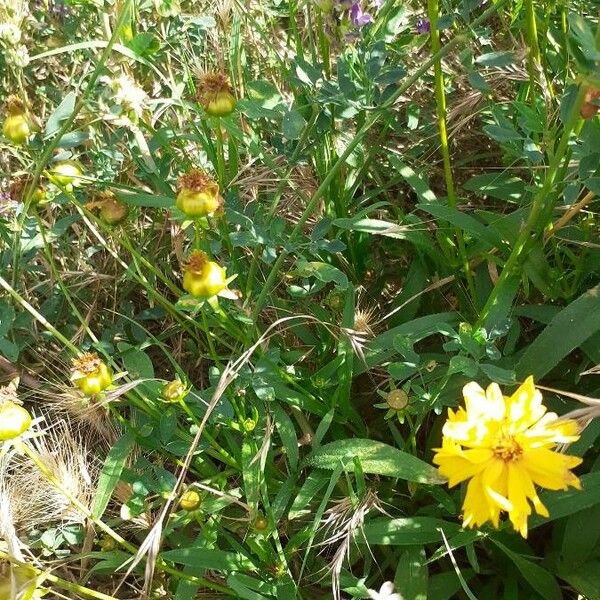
(196,261)
(196,180)
(210,84)
(15,106)
(87,363)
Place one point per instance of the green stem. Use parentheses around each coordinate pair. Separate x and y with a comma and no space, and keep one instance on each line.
(47,152)
(440,97)
(220,152)
(534,49)
(38,316)
(61,285)
(358,137)
(61,583)
(542,204)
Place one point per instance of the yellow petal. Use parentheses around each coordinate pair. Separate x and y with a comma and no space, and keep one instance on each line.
(550,469)
(458,465)
(496,404)
(524,407)
(520,488)
(495,484)
(476,509)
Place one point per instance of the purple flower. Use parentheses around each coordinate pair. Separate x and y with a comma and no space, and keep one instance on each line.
(423,26)
(358,17)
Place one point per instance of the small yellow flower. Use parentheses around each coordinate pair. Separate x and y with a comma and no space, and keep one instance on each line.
(505,446)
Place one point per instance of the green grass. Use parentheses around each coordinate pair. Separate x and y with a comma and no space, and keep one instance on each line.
(403,212)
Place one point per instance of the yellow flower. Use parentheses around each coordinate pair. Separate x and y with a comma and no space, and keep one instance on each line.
(505,446)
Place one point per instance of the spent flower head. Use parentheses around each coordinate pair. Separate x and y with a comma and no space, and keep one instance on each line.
(505,446)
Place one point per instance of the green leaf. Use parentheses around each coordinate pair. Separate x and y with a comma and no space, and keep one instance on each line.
(581,536)
(111,473)
(205,558)
(542,581)
(410,531)
(585,579)
(416,182)
(379,227)
(143,199)
(323,272)
(411,574)
(63,111)
(7,316)
(564,503)
(287,433)
(376,458)
(463,221)
(501,185)
(292,124)
(566,332)
(310,488)
(496,59)
(444,586)
(137,362)
(9,350)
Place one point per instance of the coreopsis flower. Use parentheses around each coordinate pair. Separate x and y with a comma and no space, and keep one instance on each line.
(202,277)
(91,374)
(215,94)
(505,446)
(198,195)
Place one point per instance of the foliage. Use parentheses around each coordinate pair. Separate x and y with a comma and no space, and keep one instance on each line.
(403,200)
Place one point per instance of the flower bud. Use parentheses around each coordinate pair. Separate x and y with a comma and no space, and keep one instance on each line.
(66,173)
(190,501)
(174,391)
(203,278)
(91,374)
(397,399)
(16,126)
(14,420)
(198,194)
(215,94)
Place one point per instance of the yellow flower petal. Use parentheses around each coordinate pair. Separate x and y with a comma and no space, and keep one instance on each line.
(550,469)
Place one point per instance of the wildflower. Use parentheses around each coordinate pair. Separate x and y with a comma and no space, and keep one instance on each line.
(386,592)
(190,500)
(16,126)
(126,97)
(423,26)
(174,391)
(203,278)
(358,16)
(505,445)
(198,195)
(215,94)
(90,374)
(14,419)
(10,34)
(112,210)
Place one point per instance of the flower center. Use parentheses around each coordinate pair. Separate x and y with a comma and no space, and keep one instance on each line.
(507,449)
